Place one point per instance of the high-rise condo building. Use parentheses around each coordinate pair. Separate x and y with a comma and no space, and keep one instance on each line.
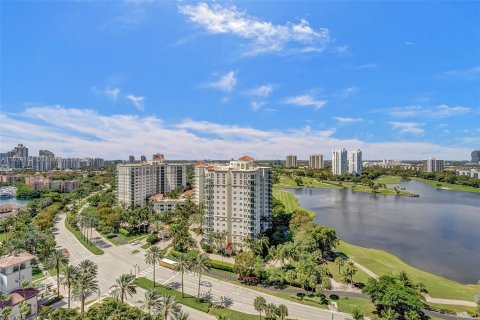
(131,159)
(316,161)
(291,161)
(237,198)
(339,162)
(355,162)
(137,181)
(433,165)
(476,156)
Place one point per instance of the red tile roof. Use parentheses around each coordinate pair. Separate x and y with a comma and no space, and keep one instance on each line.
(246,158)
(16,259)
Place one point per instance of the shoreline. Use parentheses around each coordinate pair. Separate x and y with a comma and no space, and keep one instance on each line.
(383,262)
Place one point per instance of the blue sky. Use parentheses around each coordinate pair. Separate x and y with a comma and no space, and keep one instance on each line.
(196,80)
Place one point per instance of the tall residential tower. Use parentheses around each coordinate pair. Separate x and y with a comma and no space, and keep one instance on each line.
(339,162)
(355,162)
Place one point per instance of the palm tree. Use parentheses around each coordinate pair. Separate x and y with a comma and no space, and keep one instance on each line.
(290,276)
(412,315)
(6,312)
(270,311)
(24,309)
(152,298)
(85,283)
(25,285)
(282,311)
(260,303)
(69,274)
(201,264)
(340,262)
(57,259)
(389,314)
(168,306)
(182,316)
(184,264)
(153,256)
(125,285)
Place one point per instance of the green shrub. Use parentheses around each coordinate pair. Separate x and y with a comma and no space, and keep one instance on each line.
(206,247)
(225,266)
(124,232)
(152,239)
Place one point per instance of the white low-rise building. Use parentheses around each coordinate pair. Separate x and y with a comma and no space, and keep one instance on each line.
(162,202)
(14,270)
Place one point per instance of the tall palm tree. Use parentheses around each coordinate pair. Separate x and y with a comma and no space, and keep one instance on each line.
(125,286)
(340,262)
(260,303)
(282,311)
(25,285)
(69,274)
(168,306)
(412,315)
(152,298)
(57,259)
(201,264)
(182,316)
(184,264)
(6,312)
(85,283)
(389,314)
(153,256)
(24,309)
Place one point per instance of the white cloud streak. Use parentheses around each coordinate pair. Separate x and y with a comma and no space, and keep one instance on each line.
(440,111)
(347,120)
(264,36)
(407,127)
(262,91)
(226,82)
(467,74)
(137,101)
(306,101)
(84,132)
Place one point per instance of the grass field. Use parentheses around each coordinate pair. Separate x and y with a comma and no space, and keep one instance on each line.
(382,262)
(87,244)
(290,201)
(449,186)
(451,307)
(360,276)
(192,301)
(348,305)
(388,180)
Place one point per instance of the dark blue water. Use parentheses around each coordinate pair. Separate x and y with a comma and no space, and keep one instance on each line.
(438,232)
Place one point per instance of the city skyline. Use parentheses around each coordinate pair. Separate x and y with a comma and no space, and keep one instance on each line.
(309,76)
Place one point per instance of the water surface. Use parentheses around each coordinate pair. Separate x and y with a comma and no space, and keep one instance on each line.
(438,232)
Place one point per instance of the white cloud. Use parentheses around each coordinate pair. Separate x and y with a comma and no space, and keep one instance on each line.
(407,127)
(468,74)
(347,120)
(137,101)
(409,43)
(367,66)
(348,92)
(264,36)
(262,91)
(226,82)
(84,132)
(306,101)
(257,105)
(110,92)
(440,111)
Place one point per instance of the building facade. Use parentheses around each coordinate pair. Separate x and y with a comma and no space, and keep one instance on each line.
(339,162)
(472,173)
(14,270)
(316,161)
(355,162)
(137,181)
(39,182)
(433,165)
(291,161)
(476,156)
(237,198)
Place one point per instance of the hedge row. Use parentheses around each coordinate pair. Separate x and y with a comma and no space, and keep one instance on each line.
(215,264)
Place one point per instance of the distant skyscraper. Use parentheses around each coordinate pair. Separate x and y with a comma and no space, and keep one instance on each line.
(339,162)
(316,161)
(433,165)
(46,153)
(143,158)
(131,159)
(21,151)
(476,156)
(355,162)
(291,161)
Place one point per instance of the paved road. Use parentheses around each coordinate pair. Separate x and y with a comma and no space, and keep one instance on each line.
(118,260)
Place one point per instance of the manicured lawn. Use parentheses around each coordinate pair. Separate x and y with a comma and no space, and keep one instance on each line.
(382,262)
(113,240)
(348,305)
(360,276)
(132,238)
(192,301)
(388,180)
(450,307)
(290,201)
(87,244)
(450,186)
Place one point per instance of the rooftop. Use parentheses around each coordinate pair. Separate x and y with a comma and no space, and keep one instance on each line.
(16,259)
(16,297)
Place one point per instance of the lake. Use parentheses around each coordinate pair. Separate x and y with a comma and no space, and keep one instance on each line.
(13,201)
(438,232)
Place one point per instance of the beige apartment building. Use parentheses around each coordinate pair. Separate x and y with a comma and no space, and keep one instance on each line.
(138,181)
(316,161)
(291,161)
(237,198)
